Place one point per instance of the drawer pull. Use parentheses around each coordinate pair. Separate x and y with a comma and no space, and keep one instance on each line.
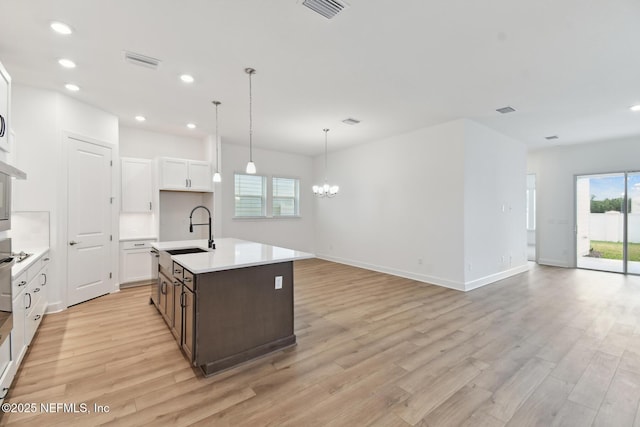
(187,279)
(36,290)
(177,271)
(47,259)
(5,391)
(22,283)
(138,244)
(37,317)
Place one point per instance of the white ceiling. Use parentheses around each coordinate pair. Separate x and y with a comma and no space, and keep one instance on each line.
(570,68)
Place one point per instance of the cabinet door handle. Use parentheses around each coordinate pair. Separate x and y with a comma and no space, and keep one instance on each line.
(186,182)
(182,300)
(73,242)
(45,279)
(22,283)
(29,305)
(5,391)
(2,126)
(163,288)
(150,206)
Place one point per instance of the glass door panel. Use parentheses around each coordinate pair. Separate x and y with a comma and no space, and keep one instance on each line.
(633,222)
(600,222)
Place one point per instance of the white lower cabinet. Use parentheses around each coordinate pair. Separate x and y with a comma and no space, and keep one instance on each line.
(29,304)
(135,261)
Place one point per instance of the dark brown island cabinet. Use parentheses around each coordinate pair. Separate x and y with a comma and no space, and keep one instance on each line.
(236,312)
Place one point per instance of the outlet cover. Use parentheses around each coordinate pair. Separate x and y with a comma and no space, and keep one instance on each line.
(278,282)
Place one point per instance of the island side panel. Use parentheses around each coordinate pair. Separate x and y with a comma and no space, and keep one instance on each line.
(240,315)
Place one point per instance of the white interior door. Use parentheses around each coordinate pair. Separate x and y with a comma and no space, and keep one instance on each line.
(89,221)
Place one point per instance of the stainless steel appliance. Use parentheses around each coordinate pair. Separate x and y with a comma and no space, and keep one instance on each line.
(6,262)
(6,172)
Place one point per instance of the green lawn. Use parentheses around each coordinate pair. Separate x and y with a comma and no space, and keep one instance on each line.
(613,250)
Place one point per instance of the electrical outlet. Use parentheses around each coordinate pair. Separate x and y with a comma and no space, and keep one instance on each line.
(278,282)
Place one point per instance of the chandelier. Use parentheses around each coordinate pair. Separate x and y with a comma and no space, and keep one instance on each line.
(325,190)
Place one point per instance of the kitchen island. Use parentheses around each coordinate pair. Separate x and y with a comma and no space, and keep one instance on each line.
(226,305)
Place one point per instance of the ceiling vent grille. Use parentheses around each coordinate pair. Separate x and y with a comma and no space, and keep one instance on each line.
(351,121)
(551,138)
(141,60)
(326,8)
(505,110)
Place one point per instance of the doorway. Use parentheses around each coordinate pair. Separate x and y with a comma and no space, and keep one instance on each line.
(89,220)
(608,222)
(531,217)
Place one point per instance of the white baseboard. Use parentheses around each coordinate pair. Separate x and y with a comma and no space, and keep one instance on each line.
(55,307)
(554,262)
(477,283)
(432,280)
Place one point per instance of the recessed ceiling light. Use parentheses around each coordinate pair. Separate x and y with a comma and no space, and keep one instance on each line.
(141,118)
(71,87)
(505,110)
(187,78)
(67,63)
(351,121)
(635,107)
(61,28)
(191,125)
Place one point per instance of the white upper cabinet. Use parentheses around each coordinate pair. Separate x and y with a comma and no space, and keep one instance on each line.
(185,175)
(137,185)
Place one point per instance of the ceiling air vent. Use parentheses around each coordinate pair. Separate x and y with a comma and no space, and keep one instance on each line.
(550,138)
(505,110)
(141,60)
(326,8)
(351,121)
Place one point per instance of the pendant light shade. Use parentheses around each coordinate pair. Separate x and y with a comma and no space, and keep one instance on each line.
(251,167)
(325,190)
(216,176)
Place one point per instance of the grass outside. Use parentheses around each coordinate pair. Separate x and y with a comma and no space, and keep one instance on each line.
(613,250)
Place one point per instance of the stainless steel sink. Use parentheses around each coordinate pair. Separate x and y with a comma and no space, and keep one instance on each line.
(185,251)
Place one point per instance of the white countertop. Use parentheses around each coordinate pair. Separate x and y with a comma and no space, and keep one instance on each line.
(132,239)
(229,254)
(19,267)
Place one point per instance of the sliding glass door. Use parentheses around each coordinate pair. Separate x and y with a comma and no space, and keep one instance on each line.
(608,222)
(633,223)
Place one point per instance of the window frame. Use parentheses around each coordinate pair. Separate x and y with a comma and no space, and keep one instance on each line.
(263,198)
(296,197)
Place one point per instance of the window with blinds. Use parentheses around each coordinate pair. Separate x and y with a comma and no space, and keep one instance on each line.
(250,195)
(286,197)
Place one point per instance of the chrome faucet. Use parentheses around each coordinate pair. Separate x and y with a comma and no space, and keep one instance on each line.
(212,245)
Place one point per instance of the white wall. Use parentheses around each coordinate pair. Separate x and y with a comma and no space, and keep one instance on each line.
(495,185)
(555,169)
(407,201)
(145,144)
(295,233)
(39,119)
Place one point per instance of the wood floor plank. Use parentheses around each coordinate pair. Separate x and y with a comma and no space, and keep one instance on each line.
(552,346)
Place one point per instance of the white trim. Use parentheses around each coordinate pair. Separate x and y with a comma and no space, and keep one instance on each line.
(486,280)
(431,280)
(554,262)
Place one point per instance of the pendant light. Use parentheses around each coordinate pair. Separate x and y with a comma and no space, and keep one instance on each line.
(216,176)
(251,167)
(325,190)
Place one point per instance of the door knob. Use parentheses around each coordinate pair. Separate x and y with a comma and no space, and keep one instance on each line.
(73,242)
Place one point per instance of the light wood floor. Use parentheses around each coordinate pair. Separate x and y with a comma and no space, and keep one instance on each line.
(548,347)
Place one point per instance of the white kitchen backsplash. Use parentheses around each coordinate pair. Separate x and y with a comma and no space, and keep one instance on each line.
(133,225)
(29,230)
